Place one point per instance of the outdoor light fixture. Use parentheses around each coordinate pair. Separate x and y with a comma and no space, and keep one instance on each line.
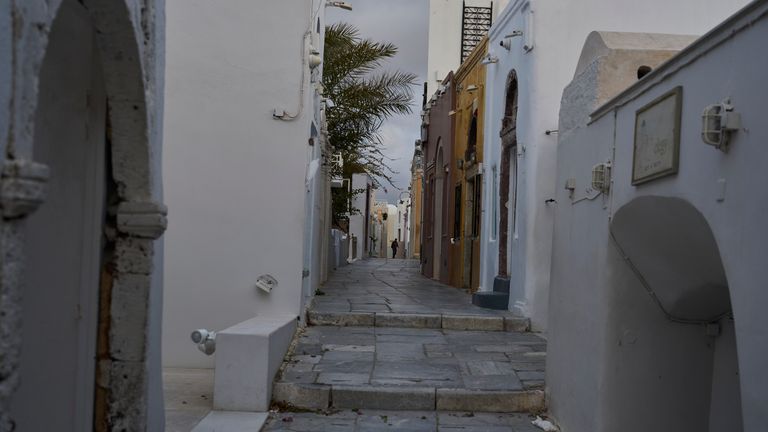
(601,177)
(339,4)
(471,88)
(205,340)
(507,41)
(718,123)
(488,59)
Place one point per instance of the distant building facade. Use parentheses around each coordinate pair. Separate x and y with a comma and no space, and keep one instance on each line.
(437,148)
(466,184)
(417,202)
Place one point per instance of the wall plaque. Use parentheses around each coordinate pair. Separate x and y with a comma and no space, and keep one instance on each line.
(657,138)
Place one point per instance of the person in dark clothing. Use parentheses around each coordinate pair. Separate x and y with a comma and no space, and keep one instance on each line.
(394,247)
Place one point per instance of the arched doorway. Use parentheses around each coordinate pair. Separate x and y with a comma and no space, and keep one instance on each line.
(676,355)
(85,351)
(508,176)
(63,237)
(437,232)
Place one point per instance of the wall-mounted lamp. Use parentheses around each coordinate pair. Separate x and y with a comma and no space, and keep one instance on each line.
(488,59)
(315,61)
(506,42)
(339,4)
(471,88)
(719,122)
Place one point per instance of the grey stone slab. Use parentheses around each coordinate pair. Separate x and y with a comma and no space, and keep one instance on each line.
(475,356)
(309,422)
(487,367)
(408,320)
(342,378)
(360,367)
(410,373)
(370,308)
(399,351)
(489,400)
(527,366)
(533,384)
(384,398)
(308,348)
(492,382)
(299,377)
(307,396)
(341,319)
(406,421)
(531,375)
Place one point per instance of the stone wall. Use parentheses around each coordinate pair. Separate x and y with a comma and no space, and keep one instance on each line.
(130,41)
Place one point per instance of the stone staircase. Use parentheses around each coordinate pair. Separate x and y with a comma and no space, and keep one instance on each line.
(383,337)
(411,363)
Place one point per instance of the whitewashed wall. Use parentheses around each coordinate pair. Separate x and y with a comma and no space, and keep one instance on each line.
(556,31)
(358,221)
(444,45)
(638,371)
(235,177)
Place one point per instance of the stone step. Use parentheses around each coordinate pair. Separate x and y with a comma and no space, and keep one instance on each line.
(491,300)
(382,420)
(326,396)
(430,321)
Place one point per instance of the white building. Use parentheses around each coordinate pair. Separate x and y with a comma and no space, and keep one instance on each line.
(658,281)
(533,52)
(444,53)
(244,138)
(361,221)
(81,104)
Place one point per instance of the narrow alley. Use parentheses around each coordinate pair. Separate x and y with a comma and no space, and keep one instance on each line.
(388,347)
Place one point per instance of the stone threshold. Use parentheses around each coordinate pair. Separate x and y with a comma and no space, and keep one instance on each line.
(327,396)
(415,320)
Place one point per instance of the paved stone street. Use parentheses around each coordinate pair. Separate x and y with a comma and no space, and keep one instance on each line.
(403,342)
(411,421)
(392,293)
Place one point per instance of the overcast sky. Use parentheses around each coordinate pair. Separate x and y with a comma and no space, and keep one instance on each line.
(405,24)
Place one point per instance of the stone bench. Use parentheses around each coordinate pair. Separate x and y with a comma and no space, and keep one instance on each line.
(248,355)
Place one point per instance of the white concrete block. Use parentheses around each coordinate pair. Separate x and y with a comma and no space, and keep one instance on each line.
(248,356)
(231,421)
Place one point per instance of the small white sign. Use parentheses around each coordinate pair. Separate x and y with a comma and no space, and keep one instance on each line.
(657,138)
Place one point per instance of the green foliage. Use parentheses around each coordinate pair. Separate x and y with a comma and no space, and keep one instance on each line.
(363,97)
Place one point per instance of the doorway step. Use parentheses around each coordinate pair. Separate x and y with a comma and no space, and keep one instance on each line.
(497,299)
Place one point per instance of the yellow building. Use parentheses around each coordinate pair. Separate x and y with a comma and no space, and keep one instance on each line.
(467,175)
(417,178)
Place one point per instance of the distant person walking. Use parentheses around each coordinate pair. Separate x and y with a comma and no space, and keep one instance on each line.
(394,247)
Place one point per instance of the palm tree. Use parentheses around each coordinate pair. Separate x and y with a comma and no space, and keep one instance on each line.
(363,97)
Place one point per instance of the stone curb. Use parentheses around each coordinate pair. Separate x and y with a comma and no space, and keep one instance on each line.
(383,398)
(319,396)
(489,401)
(519,325)
(469,322)
(341,319)
(431,321)
(307,396)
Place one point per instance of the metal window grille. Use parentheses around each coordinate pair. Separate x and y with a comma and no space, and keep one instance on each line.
(475,23)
